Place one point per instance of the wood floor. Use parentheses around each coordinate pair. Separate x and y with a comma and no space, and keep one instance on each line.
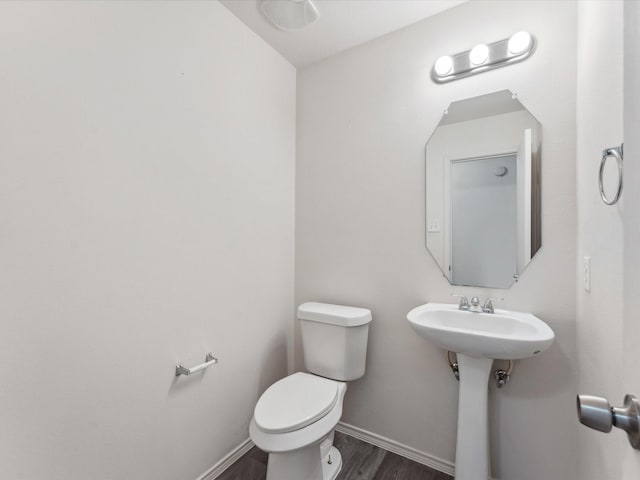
(360,461)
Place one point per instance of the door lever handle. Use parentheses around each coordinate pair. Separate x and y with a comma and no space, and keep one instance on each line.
(597,413)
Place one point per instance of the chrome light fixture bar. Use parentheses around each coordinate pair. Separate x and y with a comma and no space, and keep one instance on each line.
(484,57)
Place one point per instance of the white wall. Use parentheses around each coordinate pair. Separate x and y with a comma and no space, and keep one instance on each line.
(631,341)
(146,212)
(363,119)
(600,232)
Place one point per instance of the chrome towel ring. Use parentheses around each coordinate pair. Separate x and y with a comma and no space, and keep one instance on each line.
(617,153)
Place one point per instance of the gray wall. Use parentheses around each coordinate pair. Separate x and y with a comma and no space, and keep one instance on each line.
(146,212)
(363,119)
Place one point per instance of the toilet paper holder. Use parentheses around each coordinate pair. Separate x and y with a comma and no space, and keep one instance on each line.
(208,361)
(597,413)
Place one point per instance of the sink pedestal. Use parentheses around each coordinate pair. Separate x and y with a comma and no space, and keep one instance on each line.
(477,338)
(472,442)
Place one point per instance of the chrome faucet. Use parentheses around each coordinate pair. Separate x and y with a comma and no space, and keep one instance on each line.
(473,305)
(488,305)
(464,303)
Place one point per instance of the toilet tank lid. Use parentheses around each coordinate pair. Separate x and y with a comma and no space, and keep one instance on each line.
(334,314)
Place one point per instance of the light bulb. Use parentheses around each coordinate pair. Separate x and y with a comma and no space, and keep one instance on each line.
(519,43)
(479,54)
(443,66)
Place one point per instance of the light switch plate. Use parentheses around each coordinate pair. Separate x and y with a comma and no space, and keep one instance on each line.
(586,273)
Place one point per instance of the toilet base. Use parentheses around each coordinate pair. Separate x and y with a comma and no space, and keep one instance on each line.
(305,464)
(331,470)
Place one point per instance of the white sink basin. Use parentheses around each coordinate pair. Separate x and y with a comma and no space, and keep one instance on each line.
(502,335)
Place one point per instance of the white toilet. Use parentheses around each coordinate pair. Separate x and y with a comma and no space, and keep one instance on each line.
(294,418)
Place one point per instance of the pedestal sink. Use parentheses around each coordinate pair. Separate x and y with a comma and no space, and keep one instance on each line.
(478,338)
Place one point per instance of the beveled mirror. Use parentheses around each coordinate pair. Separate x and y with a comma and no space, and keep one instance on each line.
(483,161)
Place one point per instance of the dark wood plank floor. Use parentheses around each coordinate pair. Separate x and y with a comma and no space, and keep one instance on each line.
(360,461)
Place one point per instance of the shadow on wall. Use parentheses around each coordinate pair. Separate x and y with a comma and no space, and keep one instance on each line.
(509,406)
(273,363)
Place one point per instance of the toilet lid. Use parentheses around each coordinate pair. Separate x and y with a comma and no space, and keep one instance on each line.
(295,402)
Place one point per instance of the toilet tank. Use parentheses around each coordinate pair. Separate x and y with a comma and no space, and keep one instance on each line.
(334,339)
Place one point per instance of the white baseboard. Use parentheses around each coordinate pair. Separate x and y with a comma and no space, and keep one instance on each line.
(411,453)
(398,448)
(227,461)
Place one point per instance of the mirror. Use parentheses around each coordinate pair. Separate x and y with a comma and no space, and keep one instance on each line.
(483,191)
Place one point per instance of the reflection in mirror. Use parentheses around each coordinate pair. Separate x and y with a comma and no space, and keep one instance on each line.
(483,191)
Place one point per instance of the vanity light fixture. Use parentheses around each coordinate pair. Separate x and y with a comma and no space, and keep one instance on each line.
(483,57)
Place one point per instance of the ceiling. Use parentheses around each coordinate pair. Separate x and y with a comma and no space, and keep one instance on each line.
(342,24)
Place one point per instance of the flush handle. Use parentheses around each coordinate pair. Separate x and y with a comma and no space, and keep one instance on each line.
(597,413)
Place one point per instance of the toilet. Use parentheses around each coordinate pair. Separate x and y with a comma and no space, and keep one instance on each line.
(295,417)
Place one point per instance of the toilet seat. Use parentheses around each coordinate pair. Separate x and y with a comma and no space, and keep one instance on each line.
(311,434)
(295,402)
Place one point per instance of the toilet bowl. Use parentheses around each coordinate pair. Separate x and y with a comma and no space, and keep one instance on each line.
(294,422)
(295,418)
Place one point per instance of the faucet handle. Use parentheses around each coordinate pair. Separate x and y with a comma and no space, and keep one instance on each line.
(464,303)
(488,304)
